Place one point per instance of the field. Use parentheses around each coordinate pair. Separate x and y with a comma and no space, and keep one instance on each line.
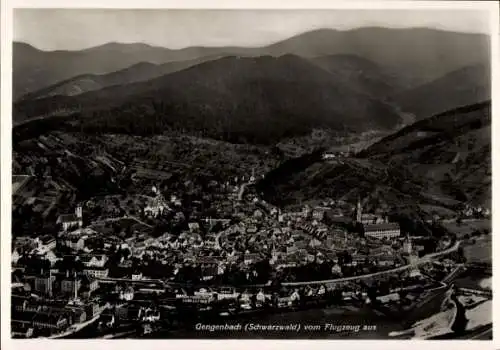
(468,227)
(480,252)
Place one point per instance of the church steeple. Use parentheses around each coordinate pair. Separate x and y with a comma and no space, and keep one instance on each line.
(407,245)
(358,210)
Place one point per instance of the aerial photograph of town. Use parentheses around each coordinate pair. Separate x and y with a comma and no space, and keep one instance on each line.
(251,174)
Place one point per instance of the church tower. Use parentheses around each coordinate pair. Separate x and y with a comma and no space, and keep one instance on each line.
(252,177)
(358,210)
(407,245)
(75,287)
(79,215)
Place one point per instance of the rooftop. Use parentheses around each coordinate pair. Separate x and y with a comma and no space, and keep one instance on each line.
(381,227)
(68,218)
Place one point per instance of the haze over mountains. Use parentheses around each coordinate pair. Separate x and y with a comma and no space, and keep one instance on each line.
(357,80)
(417,54)
(461,87)
(344,82)
(261,98)
(90,82)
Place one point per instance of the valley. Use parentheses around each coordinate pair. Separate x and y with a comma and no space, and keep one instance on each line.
(334,175)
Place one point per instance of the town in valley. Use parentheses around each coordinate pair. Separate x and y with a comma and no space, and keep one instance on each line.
(243,192)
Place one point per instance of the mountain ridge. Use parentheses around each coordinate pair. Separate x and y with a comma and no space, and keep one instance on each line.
(233,96)
(138,72)
(467,85)
(319,30)
(442,163)
(36,69)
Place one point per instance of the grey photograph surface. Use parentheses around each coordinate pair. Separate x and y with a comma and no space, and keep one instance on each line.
(251,174)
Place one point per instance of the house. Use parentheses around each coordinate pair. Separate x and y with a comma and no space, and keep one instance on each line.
(127,294)
(75,241)
(245,297)
(227,293)
(136,276)
(321,290)
(347,295)
(44,284)
(250,258)
(314,243)
(251,229)
(386,260)
(336,269)
(47,243)
(328,156)
(209,271)
(90,282)
(258,213)
(68,221)
(52,257)
(71,285)
(384,299)
(295,296)
(260,297)
(359,258)
(197,299)
(92,309)
(204,292)
(15,256)
(156,206)
(51,320)
(318,213)
(285,301)
(414,273)
(369,218)
(78,315)
(94,260)
(194,226)
(381,231)
(96,271)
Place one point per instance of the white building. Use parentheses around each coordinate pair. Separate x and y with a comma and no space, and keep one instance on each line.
(156,206)
(15,256)
(381,231)
(96,272)
(127,294)
(69,221)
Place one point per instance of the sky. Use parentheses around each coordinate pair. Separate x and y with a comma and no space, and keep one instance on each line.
(75,29)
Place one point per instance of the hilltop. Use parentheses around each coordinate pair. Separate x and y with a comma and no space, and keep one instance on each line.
(438,163)
(142,71)
(419,55)
(462,87)
(259,100)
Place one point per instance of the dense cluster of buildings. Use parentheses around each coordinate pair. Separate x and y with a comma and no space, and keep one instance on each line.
(241,232)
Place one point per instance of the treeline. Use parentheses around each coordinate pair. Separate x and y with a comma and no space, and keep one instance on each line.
(275,179)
